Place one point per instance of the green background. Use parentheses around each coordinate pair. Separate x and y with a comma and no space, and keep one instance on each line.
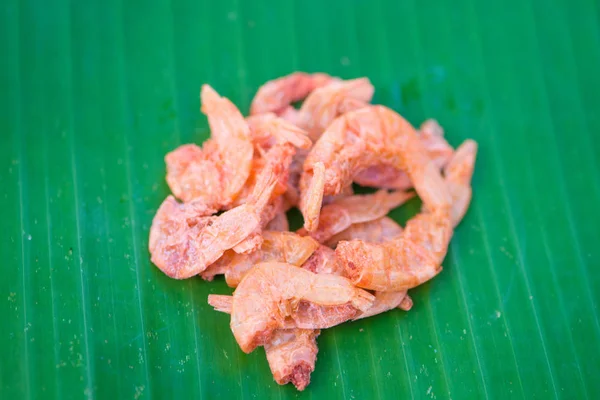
(94,93)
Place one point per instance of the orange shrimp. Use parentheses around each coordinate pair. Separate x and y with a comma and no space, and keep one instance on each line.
(269,291)
(304,315)
(320,108)
(343,213)
(379,231)
(357,140)
(388,177)
(324,104)
(375,231)
(285,247)
(183,246)
(292,354)
(416,255)
(276,95)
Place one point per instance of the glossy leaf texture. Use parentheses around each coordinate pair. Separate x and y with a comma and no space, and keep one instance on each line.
(93,94)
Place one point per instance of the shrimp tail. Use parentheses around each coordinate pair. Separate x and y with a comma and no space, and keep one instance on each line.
(221,303)
(362,300)
(396,198)
(458,174)
(208,94)
(360,89)
(311,201)
(406,303)
(292,134)
(261,195)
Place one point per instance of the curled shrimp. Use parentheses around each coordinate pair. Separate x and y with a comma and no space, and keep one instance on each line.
(343,213)
(270,291)
(375,231)
(292,354)
(286,247)
(321,107)
(416,255)
(274,96)
(357,140)
(388,177)
(324,104)
(183,245)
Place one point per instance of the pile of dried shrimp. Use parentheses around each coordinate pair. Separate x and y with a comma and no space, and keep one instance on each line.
(350,260)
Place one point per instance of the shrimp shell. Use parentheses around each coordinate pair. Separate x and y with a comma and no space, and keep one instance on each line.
(292,354)
(324,104)
(357,140)
(385,301)
(304,315)
(416,255)
(193,174)
(269,292)
(376,231)
(387,177)
(183,244)
(379,231)
(276,95)
(343,213)
(286,247)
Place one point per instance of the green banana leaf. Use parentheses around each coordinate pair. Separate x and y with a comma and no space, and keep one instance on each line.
(93,94)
